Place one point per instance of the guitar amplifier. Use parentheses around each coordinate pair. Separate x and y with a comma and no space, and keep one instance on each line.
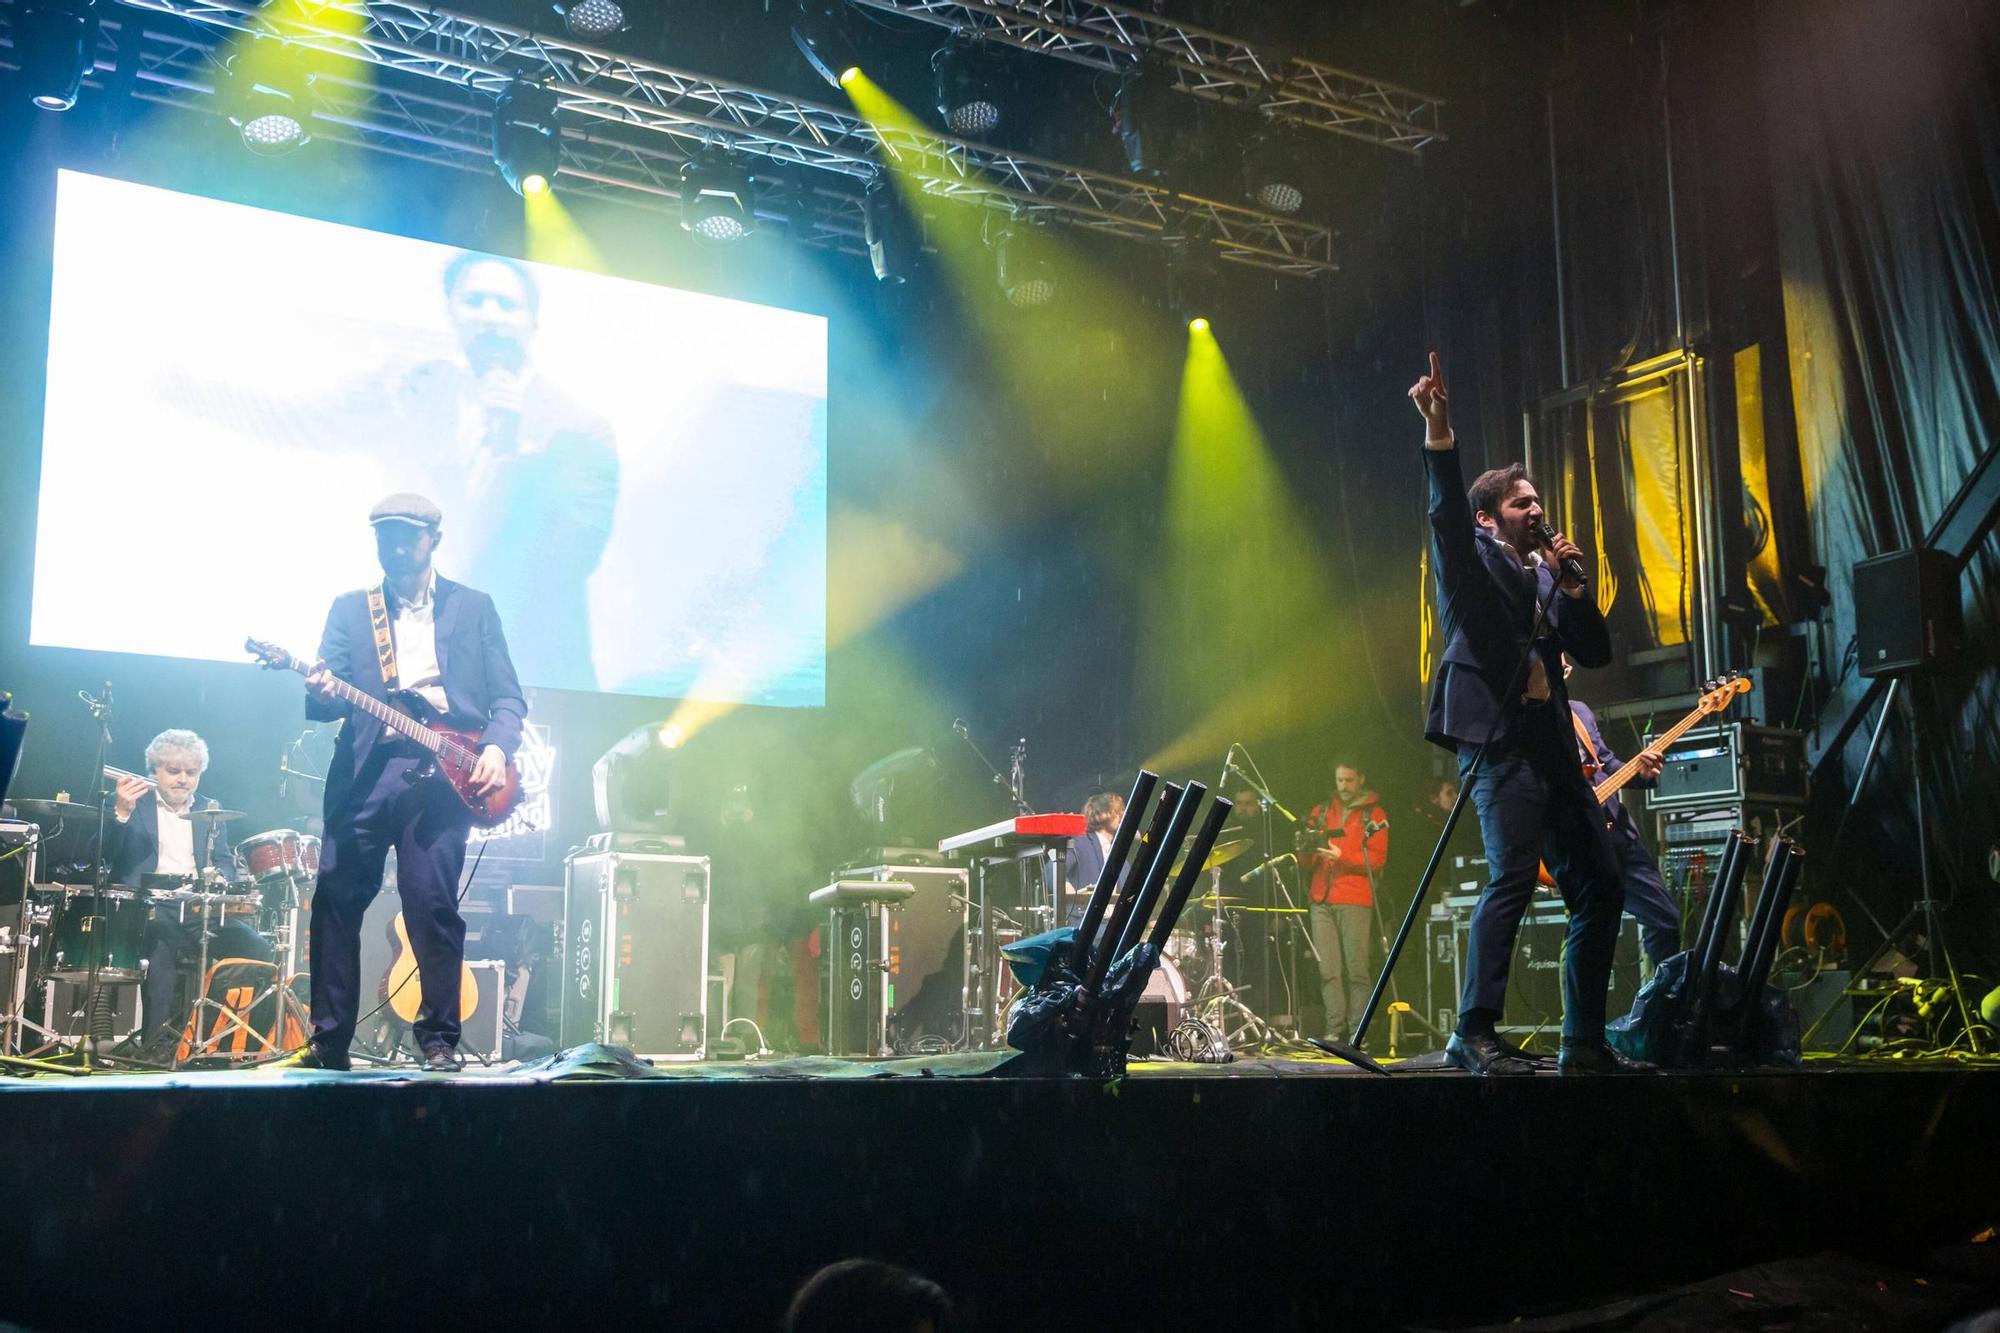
(1739,763)
(635,953)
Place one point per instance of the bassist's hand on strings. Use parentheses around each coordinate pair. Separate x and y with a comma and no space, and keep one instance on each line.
(490,773)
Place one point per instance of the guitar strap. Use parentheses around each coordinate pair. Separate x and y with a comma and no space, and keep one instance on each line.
(385,643)
(1583,735)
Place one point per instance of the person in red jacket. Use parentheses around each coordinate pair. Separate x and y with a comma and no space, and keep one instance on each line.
(1351,841)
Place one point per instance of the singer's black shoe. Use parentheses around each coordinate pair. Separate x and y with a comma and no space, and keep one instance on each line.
(1598,1058)
(1482,1053)
(440,1060)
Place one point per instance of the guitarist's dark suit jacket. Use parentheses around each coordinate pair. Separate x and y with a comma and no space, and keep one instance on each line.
(479,680)
(1534,804)
(375,800)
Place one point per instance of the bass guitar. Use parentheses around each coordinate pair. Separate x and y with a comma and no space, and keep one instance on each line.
(453,752)
(1717,695)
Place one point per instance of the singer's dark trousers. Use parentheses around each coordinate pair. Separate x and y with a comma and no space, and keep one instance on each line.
(1535,806)
(427,825)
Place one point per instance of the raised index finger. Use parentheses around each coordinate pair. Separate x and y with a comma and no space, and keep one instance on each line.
(1437,374)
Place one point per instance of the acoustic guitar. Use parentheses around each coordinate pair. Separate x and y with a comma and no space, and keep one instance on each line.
(405,990)
(453,752)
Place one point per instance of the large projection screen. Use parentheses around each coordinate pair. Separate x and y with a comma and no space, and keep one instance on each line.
(636,474)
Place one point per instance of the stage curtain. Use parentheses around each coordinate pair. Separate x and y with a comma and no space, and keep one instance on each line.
(1883,135)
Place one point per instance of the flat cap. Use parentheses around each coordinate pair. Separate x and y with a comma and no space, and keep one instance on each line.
(406,507)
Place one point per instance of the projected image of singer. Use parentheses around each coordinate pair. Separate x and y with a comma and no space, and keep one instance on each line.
(1533,802)
(442,641)
(531,475)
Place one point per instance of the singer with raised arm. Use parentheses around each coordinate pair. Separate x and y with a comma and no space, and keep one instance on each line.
(1512,598)
(1349,843)
(442,641)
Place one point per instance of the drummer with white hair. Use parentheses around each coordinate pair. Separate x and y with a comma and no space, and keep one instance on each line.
(153,837)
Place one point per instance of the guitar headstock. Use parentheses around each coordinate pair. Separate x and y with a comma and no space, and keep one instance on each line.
(271,657)
(1720,692)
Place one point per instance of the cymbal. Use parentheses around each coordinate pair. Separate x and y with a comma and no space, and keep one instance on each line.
(1289,911)
(1221,854)
(42,809)
(211,816)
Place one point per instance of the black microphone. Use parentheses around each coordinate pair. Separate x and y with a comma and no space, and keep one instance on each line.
(106,700)
(1572,567)
(1372,827)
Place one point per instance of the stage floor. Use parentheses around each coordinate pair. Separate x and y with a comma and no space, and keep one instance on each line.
(1267,1194)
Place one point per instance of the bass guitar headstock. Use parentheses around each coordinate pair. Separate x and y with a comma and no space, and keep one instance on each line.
(1719,693)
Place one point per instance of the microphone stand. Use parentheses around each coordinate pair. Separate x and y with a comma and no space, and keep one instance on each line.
(100,711)
(1266,803)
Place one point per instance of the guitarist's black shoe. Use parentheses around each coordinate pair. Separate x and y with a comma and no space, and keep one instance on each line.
(322,1057)
(1598,1058)
(1481,1053)
(441,1060)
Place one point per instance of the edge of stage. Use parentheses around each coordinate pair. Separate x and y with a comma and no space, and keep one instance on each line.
(1278,1193)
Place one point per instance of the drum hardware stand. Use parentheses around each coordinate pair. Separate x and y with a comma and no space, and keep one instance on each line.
(1218,1002)
(1266,805)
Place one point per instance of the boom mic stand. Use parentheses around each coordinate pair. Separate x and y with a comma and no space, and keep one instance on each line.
(1266,803)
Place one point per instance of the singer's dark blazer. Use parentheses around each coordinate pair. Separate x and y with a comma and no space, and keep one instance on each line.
(479,681)
(134,846)
(1486,609)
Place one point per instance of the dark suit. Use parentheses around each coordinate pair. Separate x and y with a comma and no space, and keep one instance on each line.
(168,939)
(373,803)
(1533,803)
(1646,898)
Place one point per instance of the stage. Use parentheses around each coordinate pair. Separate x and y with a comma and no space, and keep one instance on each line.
(1270,1194)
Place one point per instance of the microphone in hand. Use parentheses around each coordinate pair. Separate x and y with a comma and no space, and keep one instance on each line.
(1572,567)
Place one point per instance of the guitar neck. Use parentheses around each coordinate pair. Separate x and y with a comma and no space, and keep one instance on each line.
(1608,788)
(399,722)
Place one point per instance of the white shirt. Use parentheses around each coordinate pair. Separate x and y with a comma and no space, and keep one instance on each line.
(176,838)
(416,647)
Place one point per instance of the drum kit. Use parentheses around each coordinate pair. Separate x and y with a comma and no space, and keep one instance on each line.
(95,939)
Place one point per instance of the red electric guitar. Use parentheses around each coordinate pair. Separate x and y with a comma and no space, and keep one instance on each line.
(454,752)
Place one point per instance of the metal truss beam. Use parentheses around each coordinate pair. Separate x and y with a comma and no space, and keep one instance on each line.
(627,103)
(1202,63)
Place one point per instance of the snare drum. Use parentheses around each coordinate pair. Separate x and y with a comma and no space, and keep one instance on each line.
(118,926)
(274,855)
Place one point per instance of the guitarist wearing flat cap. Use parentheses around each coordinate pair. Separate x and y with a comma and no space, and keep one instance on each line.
(416,786)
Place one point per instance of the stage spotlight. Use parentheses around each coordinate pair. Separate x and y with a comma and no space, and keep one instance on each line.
(55,42)
(1273,173)
(525,137)
(592,19)
(1194,282)
(1026,278)
(269,102)
(633,781)
(968,95)
(1198,324)
(821,39)
(1141,116)
(717,200)
(893,236)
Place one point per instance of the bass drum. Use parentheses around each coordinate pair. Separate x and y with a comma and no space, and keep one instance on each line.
(1160,1009)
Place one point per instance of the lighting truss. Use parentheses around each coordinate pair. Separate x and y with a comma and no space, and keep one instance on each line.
(1202,63)
(628,119)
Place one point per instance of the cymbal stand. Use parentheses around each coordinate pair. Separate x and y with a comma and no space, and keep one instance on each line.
(1218,1002)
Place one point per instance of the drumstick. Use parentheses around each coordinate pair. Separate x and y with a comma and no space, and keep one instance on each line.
(117,774)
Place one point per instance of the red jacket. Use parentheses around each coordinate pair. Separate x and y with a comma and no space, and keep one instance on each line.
(1345,881)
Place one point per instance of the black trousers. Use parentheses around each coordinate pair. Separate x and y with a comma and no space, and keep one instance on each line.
(427,825)
(1535,806)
